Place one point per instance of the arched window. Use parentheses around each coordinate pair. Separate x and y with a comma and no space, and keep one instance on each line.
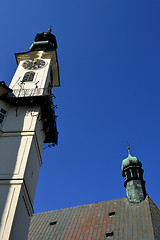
(28,76)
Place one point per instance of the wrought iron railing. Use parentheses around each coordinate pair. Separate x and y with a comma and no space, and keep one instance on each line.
(29,92)
(37,96)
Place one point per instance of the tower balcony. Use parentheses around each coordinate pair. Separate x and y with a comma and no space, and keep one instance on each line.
(36,97)
(21,93)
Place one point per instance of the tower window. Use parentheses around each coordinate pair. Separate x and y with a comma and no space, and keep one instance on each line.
(111,214)
(28,76)
(109,234)
(2,114)
(53,223)
(135,173)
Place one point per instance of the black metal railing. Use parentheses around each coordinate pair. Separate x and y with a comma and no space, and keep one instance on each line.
(29,92)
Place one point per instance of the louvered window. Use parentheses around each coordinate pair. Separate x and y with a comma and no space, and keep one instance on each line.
(28,76)
(2,114)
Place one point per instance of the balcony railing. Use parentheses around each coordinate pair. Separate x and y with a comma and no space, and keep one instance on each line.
(29,92)
(38,96)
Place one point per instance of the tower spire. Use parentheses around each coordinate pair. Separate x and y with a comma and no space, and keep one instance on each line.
(133,173)
(50,29)
(128,148)
(129,151)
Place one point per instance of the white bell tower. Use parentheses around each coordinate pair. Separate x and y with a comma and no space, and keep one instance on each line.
(27,121)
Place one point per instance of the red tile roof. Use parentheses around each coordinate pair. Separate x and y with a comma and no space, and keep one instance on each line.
(92,222)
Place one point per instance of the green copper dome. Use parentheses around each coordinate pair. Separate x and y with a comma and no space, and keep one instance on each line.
(130,161)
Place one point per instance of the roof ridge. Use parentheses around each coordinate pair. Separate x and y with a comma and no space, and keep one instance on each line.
(78,206)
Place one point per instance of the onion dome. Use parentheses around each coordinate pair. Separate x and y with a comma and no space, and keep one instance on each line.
(130,161)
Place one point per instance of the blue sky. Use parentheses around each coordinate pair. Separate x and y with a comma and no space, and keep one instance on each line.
(109,60)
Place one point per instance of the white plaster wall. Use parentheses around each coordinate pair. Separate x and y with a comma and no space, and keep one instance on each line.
(32,170)
(16,140)
(20,158)
(34,161)
(47,82)
(24,121)
(14,154)
(9,197)
(21,220)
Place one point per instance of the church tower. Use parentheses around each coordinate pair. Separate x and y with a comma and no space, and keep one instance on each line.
(27,121)
(133,174)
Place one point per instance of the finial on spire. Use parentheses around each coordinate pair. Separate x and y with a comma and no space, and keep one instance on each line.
(128,148)
(50,29)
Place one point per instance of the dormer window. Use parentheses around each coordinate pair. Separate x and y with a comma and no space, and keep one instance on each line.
(2,114)
(28,76)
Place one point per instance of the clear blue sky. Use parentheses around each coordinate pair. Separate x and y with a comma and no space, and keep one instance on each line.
(109,59)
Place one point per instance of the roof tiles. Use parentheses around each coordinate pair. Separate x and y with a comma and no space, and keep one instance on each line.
(92,222)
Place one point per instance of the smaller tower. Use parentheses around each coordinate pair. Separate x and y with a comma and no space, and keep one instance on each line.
(133,174)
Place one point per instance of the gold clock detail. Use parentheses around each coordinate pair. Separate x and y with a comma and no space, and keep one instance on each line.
(34,64)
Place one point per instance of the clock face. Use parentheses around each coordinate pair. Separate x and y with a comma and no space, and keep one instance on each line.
(34,64)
